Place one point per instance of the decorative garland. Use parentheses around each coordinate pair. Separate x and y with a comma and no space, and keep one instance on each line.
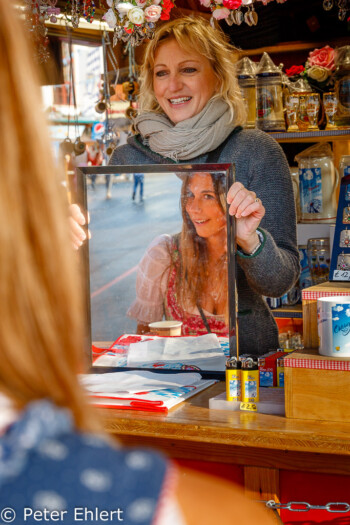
(231,10)
(135,20)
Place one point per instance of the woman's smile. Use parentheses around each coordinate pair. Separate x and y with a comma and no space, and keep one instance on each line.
(183,81)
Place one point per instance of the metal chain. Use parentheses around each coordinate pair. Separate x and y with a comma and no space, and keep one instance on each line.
(302,506)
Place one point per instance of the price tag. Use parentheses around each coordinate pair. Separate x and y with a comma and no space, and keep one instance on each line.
(251,407)
(341,275)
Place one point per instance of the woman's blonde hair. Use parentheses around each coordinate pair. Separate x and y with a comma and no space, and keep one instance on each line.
(197,35)
(192,275)
(40,301)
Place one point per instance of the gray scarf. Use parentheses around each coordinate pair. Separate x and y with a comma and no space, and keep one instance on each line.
(190,138)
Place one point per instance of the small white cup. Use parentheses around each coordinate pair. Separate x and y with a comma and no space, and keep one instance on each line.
(167,328)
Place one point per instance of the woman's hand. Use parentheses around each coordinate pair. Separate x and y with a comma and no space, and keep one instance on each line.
(249,211)
(76,221)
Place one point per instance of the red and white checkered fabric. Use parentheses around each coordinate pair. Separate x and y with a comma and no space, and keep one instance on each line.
(320,364)
(313,295)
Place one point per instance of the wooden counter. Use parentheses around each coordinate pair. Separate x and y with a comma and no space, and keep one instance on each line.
(261,443)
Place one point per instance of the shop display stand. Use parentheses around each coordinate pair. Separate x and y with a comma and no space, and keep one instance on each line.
(340,260)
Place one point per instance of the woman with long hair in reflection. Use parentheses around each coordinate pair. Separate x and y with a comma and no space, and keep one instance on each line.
(184,277)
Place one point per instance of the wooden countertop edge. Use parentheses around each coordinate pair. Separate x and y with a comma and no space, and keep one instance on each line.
(268,439)
(193,422)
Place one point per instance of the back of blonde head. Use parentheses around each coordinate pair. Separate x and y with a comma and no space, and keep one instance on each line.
(40,304)
(196,35)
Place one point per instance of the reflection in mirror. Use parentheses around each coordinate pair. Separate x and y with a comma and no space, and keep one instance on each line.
(158,267)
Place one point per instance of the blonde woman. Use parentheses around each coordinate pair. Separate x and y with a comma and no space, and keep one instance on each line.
(192,112)
(56,465)
(184,276)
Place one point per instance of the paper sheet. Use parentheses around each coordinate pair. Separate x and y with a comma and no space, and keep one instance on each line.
(203,352)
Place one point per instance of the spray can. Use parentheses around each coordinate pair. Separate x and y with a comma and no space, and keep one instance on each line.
(233,379)
(250,380)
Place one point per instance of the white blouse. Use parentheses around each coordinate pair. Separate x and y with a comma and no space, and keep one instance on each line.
(152,281)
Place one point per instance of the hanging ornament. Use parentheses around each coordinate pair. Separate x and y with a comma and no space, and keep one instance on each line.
(231,10)
(37,12)
(133,22)
(89,10)
(342,5)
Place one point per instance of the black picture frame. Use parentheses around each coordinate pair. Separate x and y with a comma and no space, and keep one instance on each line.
(83,175)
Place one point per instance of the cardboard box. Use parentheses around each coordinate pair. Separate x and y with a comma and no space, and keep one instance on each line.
(316,386)
(268,368)
(309,297)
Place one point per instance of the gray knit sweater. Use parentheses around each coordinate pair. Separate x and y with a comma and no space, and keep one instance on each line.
(262,167)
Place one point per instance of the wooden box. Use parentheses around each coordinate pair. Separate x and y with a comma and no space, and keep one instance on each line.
(317,387)
(309,297)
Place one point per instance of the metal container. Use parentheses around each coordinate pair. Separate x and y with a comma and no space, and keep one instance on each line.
(269,96)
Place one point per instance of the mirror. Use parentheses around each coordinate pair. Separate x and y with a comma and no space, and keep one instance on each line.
(160,250)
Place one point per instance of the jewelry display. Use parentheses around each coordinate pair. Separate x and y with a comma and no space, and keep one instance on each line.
(340,262)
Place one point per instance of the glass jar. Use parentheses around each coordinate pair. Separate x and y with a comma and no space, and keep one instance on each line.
(318,254)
